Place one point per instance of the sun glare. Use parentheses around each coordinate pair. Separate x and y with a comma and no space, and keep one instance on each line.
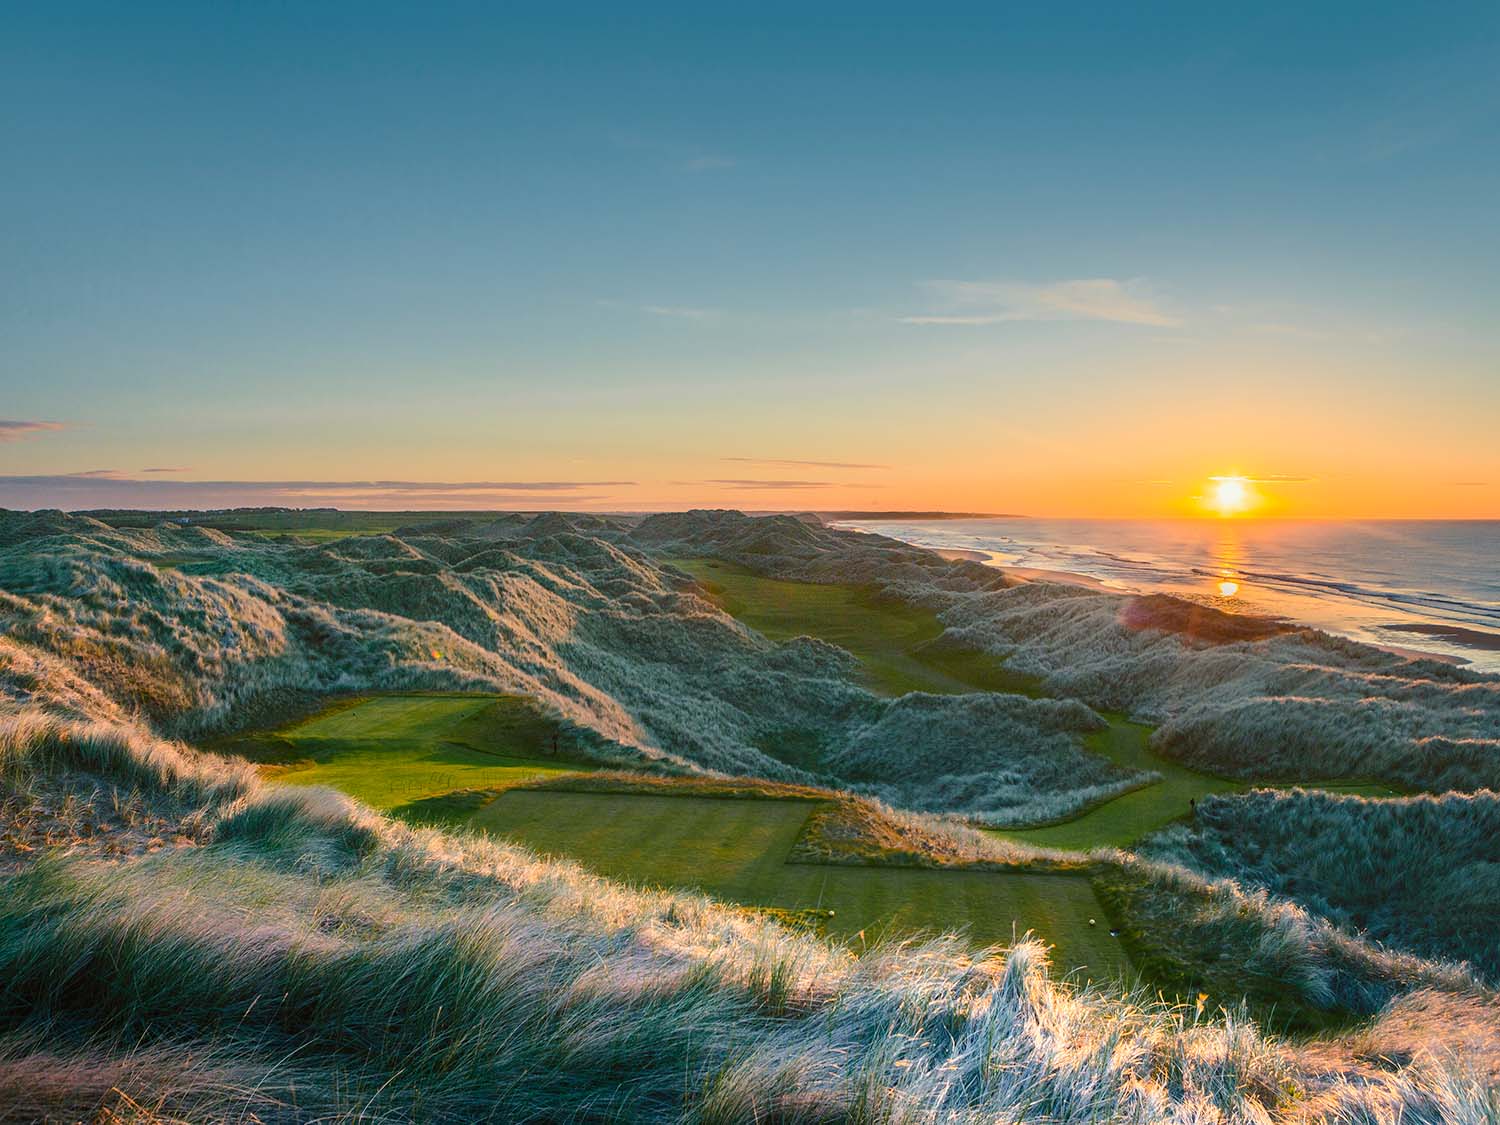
(1230,496)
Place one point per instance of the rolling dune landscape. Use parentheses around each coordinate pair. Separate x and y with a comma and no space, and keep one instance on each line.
(550,686)
(749,564)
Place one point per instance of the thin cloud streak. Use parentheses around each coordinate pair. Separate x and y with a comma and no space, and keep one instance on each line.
(14,429)
(1269,480)
(772,484)
(1007,302)
(790,464)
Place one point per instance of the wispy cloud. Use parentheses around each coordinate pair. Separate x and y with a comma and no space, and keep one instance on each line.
(1470,483)
(13,429)
(1006,302)
(180,469)
(684,157)
(673,312)
(790,464)
(103,488)
(772,484)
(680,312)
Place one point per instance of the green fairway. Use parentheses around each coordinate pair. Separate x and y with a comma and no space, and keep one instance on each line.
(406,754)
(891,639)
(1131,816)
(736,850)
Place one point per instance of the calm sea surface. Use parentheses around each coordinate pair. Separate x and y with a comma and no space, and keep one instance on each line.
(1357,579)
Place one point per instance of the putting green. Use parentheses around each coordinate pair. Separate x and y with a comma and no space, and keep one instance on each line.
(736,849)
(405,754)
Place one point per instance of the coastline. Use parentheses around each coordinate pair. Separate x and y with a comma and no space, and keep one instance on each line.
(1028,573)
(1335,578)
(1068,578)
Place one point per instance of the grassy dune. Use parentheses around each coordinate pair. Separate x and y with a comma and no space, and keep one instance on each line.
(737,850)
(413,755)
(180,941)
(1353,861)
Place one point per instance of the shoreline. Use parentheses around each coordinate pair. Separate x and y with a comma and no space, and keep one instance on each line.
(1027,573)
(1070,578)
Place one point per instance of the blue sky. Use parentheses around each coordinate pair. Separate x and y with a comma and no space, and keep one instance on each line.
(1021,258)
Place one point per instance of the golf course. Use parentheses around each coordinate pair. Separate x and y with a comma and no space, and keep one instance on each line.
(453,759)
(894,642)
(469,760)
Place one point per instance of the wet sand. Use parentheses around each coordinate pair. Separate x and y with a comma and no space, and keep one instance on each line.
(1453,634)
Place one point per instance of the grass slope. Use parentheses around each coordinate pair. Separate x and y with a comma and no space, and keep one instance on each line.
(737,850)
(1130,817)
(892,640)
(413,755)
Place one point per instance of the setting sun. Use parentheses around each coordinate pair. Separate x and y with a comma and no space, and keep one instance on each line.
(1230,496)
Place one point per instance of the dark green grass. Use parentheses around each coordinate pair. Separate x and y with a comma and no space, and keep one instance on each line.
(421,756)
(737,849)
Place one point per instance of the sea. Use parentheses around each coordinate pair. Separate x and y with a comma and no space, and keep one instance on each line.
(1428,586)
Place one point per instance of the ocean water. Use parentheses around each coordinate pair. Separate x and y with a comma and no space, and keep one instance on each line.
(1367,580)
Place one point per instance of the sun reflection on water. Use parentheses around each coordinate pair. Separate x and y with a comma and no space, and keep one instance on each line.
(1229,558)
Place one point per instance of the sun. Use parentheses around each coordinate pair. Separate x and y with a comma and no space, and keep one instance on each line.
(1229,496)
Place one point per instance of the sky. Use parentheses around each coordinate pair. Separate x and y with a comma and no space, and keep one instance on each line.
(1051,259)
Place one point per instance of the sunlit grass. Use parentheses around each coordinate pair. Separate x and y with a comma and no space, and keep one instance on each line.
(399,753)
